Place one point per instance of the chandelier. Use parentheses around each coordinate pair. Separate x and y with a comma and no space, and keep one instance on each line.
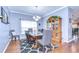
(36,18)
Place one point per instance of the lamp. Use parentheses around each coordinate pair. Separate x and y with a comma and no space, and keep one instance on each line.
(36,18)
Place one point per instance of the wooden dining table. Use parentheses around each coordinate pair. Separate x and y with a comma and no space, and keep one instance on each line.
(36,36)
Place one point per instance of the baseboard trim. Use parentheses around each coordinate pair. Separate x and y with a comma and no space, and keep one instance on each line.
(7,46)
(70,41)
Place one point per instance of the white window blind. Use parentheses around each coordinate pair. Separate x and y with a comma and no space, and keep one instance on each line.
(25,25)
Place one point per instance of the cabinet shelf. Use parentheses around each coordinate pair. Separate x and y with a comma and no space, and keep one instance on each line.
(55,24)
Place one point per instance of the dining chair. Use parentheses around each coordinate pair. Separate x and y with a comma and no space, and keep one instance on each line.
(27,35)
(10,34)
(15,36)
(30,30)
(46,40)
(29,38)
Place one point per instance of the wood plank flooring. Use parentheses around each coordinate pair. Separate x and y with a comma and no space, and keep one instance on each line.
(14,47)
(72,47)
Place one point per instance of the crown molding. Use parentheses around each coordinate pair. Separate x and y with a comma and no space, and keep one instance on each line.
(29,14)
(55,11)
(21,13)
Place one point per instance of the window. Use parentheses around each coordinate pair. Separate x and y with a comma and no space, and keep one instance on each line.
(25,25)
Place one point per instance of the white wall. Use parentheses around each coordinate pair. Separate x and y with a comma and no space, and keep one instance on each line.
(65,22)
(41,24)
(15,21)
(4,32)
(70,24)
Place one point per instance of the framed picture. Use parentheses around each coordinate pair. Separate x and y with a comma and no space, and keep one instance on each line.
(4,16)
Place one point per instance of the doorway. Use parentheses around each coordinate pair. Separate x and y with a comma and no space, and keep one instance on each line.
(75,29)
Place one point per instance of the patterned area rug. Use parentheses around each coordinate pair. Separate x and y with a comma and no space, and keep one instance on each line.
(27,48)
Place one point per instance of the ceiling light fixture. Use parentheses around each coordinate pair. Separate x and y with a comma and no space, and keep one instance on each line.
(36,18)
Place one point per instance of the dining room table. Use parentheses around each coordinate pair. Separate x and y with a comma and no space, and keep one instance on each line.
(36,36)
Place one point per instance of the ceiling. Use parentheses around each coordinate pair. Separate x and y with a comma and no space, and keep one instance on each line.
(41,10)
(75,12)
(33,10)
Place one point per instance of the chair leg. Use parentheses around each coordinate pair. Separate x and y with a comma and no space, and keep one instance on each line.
(53,48)
(15,38)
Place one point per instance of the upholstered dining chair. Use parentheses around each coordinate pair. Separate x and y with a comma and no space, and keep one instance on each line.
(15,36)
(29,37)
(46,39)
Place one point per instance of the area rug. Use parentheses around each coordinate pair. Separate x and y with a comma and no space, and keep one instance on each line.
(27,48)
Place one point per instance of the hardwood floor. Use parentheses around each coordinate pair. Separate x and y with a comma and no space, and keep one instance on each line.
(72,47)
(14,47)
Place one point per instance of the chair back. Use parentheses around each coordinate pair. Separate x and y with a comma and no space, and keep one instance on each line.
(27,34)
(47,36)
(30,30)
